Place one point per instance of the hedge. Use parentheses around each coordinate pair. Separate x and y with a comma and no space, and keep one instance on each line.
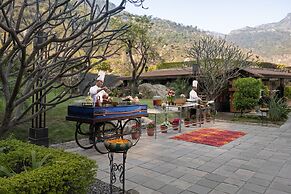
(61,172)
(287,92)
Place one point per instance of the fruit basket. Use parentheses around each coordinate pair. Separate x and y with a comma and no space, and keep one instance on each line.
(117,145)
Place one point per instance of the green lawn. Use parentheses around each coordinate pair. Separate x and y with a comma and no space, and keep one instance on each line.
(61,130)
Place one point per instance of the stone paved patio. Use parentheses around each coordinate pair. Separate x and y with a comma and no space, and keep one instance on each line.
(259,162)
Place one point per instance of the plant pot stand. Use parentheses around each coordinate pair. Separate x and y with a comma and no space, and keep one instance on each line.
(114,167)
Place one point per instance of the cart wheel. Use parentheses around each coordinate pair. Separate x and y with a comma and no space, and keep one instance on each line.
(132,130)
(103,131)
(82,136)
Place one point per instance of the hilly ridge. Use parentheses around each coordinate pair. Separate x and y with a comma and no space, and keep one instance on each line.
(271,41)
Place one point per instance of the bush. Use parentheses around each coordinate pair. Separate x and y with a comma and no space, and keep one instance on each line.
(62,172)
(277,110)
(181,86)
(287,92)
(248,93)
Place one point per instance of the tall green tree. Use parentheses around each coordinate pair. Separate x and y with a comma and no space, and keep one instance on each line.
(138,45)
(42,43)
(219,61)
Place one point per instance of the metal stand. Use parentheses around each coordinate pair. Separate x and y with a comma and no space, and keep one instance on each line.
(117,167)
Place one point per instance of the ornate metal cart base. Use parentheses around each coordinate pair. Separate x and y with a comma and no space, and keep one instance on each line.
(114,167)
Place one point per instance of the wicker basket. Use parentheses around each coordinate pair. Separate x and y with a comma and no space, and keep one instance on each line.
(180,101)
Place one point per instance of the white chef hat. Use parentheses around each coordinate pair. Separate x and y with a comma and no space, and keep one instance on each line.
(194,83)
(101,76)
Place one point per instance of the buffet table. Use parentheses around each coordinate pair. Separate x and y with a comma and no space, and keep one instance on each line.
(170,109)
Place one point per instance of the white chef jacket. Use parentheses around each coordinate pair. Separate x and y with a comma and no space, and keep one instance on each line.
(193,95)
(93,93)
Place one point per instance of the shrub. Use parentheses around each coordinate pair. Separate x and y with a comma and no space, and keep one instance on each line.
(61,172)
(247,95)
(287,92)
(151,125)
(277,110)
(181,86)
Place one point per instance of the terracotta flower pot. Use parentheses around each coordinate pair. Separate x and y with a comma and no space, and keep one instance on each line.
(150,131)
(164,129)
(187,123)
(135,135)
(175,126)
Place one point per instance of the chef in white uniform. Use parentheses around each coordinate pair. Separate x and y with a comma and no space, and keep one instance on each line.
(193,94)
(98,92)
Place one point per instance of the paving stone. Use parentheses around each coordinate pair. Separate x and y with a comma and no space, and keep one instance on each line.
(216,192)
(199,189)
(225,170)
(207,168)
(165,178)
(246,191)
(234,181)
(264,176)
(180,184)
(190,178)
(272,191)
(281,187)
(143,190)
(161,169)
(236,162)
(130,185)
(186,192)
(227,188)
(255,188)
(175,173)
(285,172)
(154,184)
(259,181)
(198,173)
(215,177)
(170,189)
(242,174)
(139,179)
(207,183)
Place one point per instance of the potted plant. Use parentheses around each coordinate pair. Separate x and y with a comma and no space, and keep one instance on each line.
(187,122)
(170,96)
(164,126)
(135,131)
(175,123)
(151,129)
(208,116)
(194,119)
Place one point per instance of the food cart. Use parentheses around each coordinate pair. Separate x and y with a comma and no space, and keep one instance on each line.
(109,129)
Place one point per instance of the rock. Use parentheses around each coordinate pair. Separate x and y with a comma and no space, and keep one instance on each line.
(148,90)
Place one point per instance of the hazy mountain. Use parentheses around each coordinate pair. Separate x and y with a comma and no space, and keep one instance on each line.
(271,41)
(175,38)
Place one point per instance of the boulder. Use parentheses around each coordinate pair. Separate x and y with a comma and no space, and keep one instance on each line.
(148,90)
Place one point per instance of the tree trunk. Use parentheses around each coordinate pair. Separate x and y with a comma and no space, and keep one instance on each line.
(134,88)
(5,124)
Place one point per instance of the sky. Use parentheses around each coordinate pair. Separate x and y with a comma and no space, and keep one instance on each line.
(215,15)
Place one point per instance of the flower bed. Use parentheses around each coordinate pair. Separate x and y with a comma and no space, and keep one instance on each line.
(59,172)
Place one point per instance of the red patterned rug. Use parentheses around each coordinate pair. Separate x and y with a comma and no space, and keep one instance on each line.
(210,136)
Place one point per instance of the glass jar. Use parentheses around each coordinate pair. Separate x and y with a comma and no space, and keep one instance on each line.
(157,100)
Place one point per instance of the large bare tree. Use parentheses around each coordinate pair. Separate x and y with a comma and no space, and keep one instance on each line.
(45,42)
(218,61)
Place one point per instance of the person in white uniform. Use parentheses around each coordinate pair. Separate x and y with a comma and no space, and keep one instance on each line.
(99,92)
(193,97)
(193,94)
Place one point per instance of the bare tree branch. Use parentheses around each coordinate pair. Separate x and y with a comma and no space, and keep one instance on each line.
(218,63)
(46,46)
